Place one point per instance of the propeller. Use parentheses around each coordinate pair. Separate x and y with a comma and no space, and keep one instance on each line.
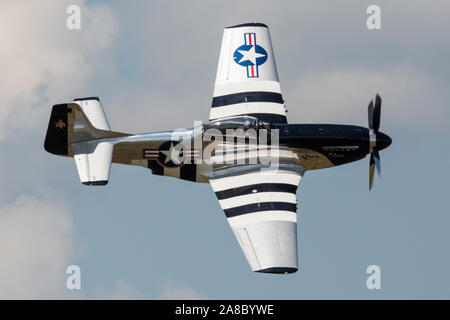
(378,140)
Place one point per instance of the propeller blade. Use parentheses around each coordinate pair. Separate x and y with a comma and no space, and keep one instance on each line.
(374,112)
(377,114)
(371,171)
(376,157)
(370,112)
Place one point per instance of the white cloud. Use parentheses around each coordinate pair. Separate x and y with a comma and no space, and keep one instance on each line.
(172,291)
(330,64)
(121,290)
(36,246)
(410,99)
(41,61)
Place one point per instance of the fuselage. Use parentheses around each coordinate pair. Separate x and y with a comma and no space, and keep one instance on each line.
(312,146)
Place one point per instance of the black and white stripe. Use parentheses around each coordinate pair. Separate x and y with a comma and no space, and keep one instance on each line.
(254,188)
(268,106)
(260,195)
(244,97)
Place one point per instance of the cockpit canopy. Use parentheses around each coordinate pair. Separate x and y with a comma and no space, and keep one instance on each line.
(241,122)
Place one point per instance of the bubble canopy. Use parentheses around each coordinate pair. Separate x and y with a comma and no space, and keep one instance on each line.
(240,122)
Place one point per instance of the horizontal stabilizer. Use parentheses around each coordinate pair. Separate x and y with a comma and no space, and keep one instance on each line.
(80,130)
(93,160)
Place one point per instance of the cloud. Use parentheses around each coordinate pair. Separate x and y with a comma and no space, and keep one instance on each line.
(172,291)
(42,62)
(123,290)
(330,64)
(165,71)
(410,98)
(36,246)
(120,290)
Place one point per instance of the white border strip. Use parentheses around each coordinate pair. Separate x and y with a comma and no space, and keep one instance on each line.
(224,88)
(247,108)
(255,217)
(257,177)
(258,197)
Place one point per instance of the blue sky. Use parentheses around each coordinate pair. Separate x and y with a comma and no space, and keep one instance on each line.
(153,66)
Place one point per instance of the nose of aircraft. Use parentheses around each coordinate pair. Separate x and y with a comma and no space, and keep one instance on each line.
(383,141)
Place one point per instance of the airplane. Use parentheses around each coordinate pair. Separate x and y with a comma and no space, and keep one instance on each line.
(254,175)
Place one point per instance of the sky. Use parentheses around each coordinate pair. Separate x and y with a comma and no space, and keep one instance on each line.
(153,65)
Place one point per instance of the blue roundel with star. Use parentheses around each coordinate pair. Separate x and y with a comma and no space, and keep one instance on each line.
(250,55)
(245,56)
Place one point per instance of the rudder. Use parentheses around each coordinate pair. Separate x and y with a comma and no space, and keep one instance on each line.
(56,139)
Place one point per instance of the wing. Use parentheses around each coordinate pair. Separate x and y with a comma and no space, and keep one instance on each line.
(260,206)
(247,79)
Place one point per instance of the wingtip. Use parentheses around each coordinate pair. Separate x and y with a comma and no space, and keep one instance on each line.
(87,98)
(95,183)
(249,24)
(278,270)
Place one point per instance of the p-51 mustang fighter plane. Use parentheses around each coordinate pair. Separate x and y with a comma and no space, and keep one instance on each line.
(247,119)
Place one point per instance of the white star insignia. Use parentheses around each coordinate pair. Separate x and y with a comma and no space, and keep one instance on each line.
(250,55)
(169,153)
(173,154)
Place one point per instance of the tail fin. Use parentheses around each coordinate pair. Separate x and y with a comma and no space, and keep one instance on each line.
(57,138)
(80,130)
(94,111)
